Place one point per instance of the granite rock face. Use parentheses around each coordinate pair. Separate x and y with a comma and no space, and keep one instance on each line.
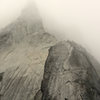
(69,74)
(24,48)
(21,83)
(20,39)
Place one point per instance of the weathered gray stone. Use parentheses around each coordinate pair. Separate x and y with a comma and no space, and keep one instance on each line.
(25,66)
(21,83)
(23,50)
(69,74)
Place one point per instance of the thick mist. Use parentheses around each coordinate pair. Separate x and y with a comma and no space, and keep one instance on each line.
(77,20)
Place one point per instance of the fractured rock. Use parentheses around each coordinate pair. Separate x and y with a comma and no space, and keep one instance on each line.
(69,74)
(23,50)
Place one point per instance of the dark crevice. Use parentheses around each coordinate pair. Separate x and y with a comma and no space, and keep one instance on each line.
(1,76)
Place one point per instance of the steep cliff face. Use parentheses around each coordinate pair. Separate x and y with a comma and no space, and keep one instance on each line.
(23,37)
(23,50)
(69,74)
(21,83)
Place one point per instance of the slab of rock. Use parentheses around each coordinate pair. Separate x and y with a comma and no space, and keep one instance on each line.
(69,74)
(25,66)
(24,48)
(21,83)
(20,39)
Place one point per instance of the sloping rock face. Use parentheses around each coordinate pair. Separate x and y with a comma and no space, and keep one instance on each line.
(23,50)
(21,83)
(69,74)
(20,39)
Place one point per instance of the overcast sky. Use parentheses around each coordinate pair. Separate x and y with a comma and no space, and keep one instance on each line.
(77,20)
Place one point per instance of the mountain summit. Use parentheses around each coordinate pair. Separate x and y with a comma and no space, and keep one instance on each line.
(24,47)
(34,66)
(28,23)
(21,37)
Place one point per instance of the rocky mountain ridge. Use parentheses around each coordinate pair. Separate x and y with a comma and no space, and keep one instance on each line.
(30,72)
(69,74)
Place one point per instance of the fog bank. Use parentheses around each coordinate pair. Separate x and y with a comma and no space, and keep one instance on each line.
(76,20)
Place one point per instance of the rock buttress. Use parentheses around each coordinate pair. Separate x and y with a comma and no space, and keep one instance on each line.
(69,74)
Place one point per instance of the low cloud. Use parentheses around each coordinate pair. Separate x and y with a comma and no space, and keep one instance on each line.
(77,20)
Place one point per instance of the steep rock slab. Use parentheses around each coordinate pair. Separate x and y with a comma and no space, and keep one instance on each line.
(20,39)
(21,83)
(23,79)
(69,74)
(25,67)
(23,50)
